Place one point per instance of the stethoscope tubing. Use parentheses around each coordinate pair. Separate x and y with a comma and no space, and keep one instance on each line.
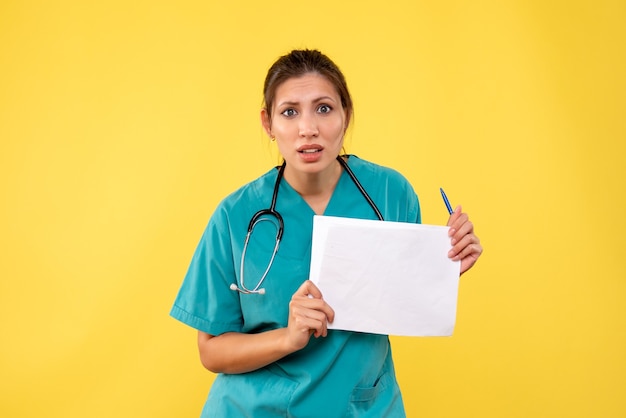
(271,211)
(359,186)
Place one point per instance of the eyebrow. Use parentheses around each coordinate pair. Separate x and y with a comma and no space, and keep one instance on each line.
(317,100)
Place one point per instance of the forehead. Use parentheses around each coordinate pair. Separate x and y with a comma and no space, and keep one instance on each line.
(307,87)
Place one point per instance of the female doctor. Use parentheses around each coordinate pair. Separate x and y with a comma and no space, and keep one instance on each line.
(262,326)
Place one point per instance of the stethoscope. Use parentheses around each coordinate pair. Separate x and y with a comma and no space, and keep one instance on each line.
(271,212)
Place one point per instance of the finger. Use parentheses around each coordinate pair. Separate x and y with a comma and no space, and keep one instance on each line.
(457,220)
(299,331)
(311,324)
(313,304)
(458,226)
(303,306)
(463,230)
(462,245)
(454,216)
(473,250)
(309,320)
(470,260)
(307,289)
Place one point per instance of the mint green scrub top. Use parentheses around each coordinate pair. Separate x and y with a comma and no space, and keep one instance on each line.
(346,374)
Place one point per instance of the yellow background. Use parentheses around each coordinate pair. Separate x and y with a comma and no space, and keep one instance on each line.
(123,123)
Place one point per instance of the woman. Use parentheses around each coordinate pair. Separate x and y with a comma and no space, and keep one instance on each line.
(260,342)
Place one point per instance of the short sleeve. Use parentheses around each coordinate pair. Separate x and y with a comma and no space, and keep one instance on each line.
(205,300)
(391,191)
(413,204)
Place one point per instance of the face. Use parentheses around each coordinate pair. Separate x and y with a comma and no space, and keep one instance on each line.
(308,123)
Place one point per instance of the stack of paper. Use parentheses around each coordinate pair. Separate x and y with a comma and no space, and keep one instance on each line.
(385,277)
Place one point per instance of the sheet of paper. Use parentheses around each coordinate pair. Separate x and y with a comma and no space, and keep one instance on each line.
(385,277)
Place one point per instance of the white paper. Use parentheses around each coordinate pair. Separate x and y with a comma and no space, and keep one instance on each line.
(389,278)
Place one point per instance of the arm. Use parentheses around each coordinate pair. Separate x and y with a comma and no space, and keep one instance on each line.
(465,244)
(235,352)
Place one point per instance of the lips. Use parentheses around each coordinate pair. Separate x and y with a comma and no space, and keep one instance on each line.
(309,149)
(310,153)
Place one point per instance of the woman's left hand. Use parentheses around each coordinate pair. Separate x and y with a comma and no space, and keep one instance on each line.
(465,244)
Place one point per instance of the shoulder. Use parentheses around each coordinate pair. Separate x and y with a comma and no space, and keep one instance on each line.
(250,193)
(389,189)
(241,203)
(370,171)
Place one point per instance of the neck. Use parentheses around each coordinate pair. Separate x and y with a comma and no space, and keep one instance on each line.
(315,188)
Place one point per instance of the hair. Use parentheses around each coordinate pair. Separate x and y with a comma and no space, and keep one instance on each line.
(298,63)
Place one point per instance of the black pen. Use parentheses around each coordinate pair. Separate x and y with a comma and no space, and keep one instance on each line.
(446,201)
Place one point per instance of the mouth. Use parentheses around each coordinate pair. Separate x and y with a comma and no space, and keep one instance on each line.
(310,153)
(309,149)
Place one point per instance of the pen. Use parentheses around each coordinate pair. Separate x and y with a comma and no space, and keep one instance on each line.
(446,201)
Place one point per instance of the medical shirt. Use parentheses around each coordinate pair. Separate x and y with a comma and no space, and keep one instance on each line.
(344,374)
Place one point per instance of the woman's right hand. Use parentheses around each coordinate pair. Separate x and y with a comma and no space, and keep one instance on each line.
(309,314)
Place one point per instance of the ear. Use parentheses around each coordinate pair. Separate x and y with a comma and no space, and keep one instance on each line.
(265,121)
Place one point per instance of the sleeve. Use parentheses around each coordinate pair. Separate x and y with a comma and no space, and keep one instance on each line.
(401,200)
(392,192)
(205,301)
(415,210)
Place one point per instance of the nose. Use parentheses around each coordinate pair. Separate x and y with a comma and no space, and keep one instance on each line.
(308,126)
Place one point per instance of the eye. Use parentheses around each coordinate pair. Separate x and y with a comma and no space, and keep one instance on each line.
(289,112)
(324,108)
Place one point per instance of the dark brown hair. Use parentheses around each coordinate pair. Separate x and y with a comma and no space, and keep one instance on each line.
(298,63)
